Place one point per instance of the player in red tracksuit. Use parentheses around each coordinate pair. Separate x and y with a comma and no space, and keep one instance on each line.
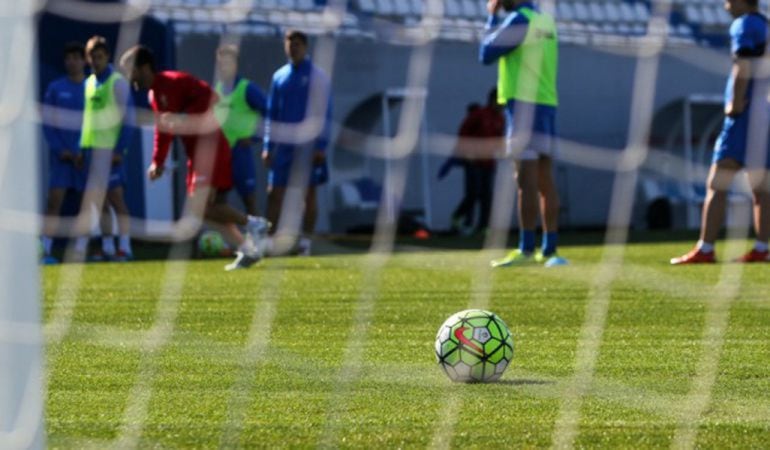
(183,106)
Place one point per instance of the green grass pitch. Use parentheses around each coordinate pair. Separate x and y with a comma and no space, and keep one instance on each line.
(319,352)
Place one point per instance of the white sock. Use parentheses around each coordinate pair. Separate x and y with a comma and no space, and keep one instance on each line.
(47,244)
(108,245)
(760,246)
(247,247)
(81,244)
(125,244)
(705,247)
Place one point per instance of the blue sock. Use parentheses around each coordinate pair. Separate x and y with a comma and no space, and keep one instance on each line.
(527,241)
(550,240)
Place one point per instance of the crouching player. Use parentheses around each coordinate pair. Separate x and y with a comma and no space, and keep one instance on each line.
(183,106)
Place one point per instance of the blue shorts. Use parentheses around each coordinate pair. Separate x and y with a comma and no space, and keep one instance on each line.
(296,160)
(64,175)
(244,170)
(733,142)
(539,120)
(279,176)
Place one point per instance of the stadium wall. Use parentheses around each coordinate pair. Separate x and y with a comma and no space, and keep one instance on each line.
(596,87)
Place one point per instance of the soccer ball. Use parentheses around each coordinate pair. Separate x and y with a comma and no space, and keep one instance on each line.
(211,243)
(474,346)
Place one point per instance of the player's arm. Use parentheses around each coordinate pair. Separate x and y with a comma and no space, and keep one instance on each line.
(271,114)
(741,73)
(501,39)
(50,129)
(747,44)
(161,144)
(256,98)
(126,105)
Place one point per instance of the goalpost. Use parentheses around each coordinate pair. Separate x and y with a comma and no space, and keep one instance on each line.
(21,337)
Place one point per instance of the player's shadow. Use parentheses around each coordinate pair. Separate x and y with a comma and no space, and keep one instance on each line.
(525,382)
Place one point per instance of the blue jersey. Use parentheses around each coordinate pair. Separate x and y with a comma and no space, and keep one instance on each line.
(748,39)
(287,103)
(63,115)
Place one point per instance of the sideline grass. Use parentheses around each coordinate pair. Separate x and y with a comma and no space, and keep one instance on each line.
(648,356)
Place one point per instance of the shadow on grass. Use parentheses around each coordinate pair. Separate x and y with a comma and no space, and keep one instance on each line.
(526,382)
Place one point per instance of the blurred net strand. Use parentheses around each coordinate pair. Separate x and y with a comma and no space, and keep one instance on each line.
(590,338)
(401,145)
(154,341)
(290,223)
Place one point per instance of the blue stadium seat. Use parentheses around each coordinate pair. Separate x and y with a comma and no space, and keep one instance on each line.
(452,8)
(384,7)
(565,12)
(596,12)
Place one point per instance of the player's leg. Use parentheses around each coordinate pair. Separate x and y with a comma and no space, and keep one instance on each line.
(117,200)
(308,221)
(526,174)
(720,177)
(549,206)
(760,189)
(51,223)
(462,215)
(245,176)
(106,226)
(486,182)
(99,162)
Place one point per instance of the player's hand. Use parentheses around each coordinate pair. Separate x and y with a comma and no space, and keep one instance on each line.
(319,157)
(493,6)
(117,158)
(78,161)
(735,107)
(66,155)
(154,172)
(266,158)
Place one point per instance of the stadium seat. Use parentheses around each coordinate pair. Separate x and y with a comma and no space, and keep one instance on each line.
(626,13)
(596,12)
(582,14)
(452,8)
(384,7)
(693,15)
(641,12)
(612,11)
(723,17)
(200,15)
(402,8)
(470,9)
(709,16)
(565,12)
(306,5)
(367,6)
(287,5)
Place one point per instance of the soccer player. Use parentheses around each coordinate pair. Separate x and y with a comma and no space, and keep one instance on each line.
(526,48)
(62,119)
(478,143)
(297,131)
(105,138)
(239,109)
(742,143)
(183,106)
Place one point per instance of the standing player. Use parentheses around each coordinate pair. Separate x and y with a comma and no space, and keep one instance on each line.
(297,132)
(62,119)
(526,48)
(742,144)
(183,106)
(105,138)
(239,109)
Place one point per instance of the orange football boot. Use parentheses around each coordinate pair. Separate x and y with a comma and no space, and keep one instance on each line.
(695,256)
